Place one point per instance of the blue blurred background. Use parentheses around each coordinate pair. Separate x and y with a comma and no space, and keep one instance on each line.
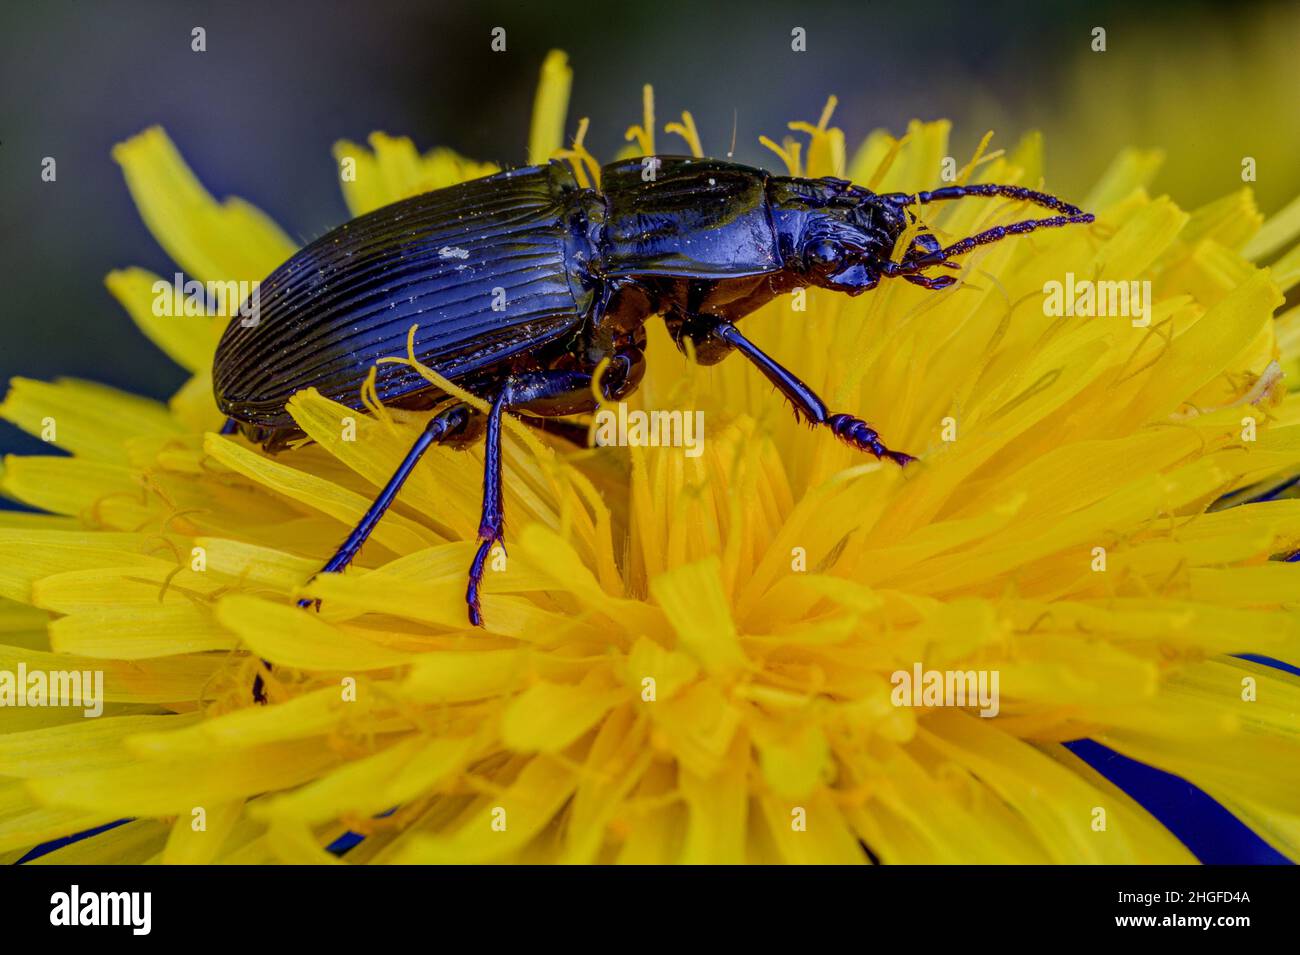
(256,114)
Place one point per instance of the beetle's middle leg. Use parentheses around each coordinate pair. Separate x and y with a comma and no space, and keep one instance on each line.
(544,393)
(848,428)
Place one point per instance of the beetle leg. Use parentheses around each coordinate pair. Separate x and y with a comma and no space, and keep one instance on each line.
(705,347)
(850,429)
(446,424)
(492,523)
(545,392)
(441,427)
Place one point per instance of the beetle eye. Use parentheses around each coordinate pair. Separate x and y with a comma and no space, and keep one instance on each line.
(822,252)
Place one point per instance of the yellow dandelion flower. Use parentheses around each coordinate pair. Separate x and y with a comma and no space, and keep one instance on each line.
(686,658)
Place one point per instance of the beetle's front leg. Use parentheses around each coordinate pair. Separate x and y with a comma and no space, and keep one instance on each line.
(848,428)
(705,347)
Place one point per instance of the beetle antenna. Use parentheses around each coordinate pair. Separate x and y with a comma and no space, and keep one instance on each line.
(991,189)
(911,266)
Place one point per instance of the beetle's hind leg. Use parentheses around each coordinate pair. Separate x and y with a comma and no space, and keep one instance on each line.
(449,424)
(850,429)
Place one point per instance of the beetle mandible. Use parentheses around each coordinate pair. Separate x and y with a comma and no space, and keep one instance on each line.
(523,282)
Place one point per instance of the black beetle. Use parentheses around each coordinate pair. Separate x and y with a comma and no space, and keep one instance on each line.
(522,282)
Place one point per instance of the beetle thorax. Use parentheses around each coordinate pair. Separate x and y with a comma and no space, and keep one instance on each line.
(833,234)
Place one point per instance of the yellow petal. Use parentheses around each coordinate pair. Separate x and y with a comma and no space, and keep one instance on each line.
(172,786)
(373,784)
(550,106)
(188,340)
(519,812)
(693,600)
(191,844)
(87,419)
(549,717)
(300,638)
(137,633)
(208,239)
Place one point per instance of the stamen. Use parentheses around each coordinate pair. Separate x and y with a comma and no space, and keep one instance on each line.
(585,167)
(686,129)
(789,153)
(644,135)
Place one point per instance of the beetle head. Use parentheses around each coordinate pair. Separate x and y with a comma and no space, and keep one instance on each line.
(834,234)
(839,236)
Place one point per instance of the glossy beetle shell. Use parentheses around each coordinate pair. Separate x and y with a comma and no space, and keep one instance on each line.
(441,261)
